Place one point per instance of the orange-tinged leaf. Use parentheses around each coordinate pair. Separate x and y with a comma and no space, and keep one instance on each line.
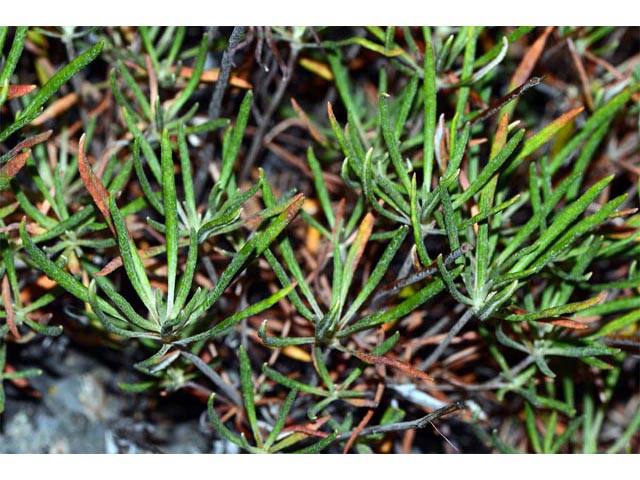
(21,382)
(312,240)
(528,62)
(211,76)
(548,132)
(45,282)
(94,185)
(296,353)
(16,91)
(500,140)
(362,237)
(110,267)
(56,108)
(361,402)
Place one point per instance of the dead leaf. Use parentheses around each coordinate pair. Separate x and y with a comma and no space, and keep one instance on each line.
(94,185)
(365,420)
(211,76)
(8,307)
(391,362)
(317,135)
(56,108)
(528,62)
(12,168)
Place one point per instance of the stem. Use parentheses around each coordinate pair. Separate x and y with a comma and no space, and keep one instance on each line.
(225,72)
(410,425)
(452,333)
(256,145)
(216,103)
(213,376)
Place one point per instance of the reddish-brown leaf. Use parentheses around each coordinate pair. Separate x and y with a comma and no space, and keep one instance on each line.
(12,167)
(365,420)
(393,363)
(566,323)
(16,91)
(8,308)
(29,142)
(94,185)
(582,73)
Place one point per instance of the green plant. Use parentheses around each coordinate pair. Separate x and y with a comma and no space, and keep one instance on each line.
(437,220)
(17,315)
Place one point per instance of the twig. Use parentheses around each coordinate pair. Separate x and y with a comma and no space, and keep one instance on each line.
(450,336)
(257,142)
(413,424)
(225,72)
(418,276)
(213,376)
(512,95)
(215,104)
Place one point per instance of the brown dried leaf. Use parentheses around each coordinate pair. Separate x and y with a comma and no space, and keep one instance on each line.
(211,76)
(582,73)
(365,420)
(317,135)
(8,307)
(523,72)
(391,362)
(56,108)
(94,185)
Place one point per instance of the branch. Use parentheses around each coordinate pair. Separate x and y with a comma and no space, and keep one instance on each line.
(413,424)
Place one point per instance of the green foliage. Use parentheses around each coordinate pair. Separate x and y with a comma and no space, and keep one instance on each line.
(437,212)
